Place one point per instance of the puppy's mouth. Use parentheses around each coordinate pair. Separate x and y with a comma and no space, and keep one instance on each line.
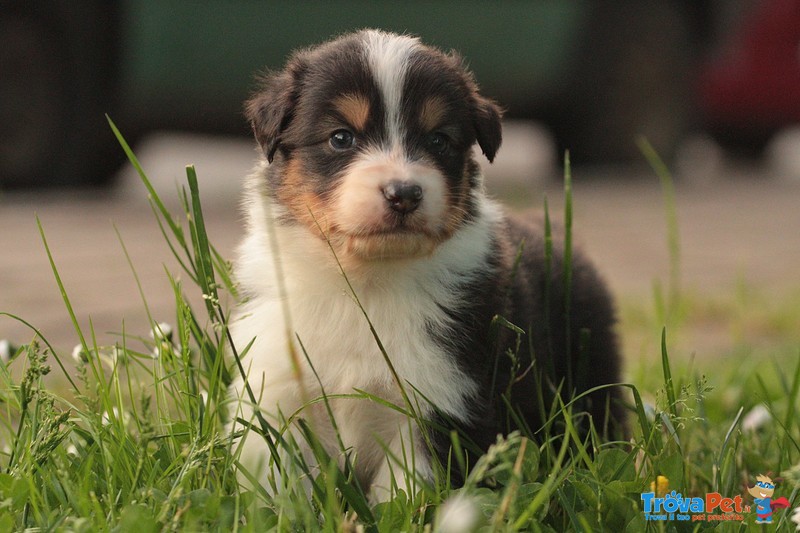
(383,245)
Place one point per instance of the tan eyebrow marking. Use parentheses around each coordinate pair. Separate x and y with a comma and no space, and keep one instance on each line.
(432,112)
(354,108)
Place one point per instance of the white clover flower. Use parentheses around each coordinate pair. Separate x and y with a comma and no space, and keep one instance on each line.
(458,514)
(161,332)
(796,518)
(6,350)
(118,415)
(118,356)
(650,412)
(758,417)
(162,335)
(79,354)
(163,348)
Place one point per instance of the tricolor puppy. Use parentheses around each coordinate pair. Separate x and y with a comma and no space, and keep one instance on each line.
(369,209)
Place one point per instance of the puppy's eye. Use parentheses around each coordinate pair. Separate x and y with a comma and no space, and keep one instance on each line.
(342,140)
(437,143)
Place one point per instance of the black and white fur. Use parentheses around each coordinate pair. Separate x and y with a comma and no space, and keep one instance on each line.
(368,173)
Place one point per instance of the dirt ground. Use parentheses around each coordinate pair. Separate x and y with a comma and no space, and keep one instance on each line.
(743,225)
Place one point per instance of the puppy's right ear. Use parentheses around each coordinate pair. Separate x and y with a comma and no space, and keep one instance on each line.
(489,131)
(271,108)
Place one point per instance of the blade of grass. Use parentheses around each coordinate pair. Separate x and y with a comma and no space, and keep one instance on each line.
(61,287)
(204,265)
(669,386)
(568,268)
(40,336)
(511,491)
(792,399)
(154,197)
(189,269)
(202,249)
(723,450)
(554,480)
(548,276)
(673,233)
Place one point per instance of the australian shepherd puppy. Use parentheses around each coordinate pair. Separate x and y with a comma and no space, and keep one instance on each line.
(374,265)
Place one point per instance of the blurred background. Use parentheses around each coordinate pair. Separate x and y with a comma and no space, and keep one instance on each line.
(713,85)
(595,75)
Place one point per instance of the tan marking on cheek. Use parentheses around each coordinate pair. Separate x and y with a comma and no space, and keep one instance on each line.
(432,113)
(354,109)
(304,204)
(456,207)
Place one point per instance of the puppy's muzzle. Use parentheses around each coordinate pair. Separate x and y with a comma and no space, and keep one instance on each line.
(403,197)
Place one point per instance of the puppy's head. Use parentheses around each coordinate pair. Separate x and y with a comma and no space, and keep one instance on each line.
(369,139)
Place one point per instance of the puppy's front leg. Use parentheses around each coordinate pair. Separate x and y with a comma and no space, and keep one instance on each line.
(407,463)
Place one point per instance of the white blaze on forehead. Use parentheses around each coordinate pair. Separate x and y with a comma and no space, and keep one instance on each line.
(388,57)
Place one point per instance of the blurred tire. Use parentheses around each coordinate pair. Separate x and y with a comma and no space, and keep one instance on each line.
(634,79)
(57,80)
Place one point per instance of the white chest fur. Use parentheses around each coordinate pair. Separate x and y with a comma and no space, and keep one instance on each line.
(403,301)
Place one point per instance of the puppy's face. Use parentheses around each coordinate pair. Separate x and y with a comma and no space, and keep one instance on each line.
(370,142)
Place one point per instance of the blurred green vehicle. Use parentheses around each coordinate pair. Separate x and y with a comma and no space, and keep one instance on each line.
(596,73)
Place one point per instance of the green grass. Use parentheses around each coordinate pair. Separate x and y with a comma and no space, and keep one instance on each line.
(138,441)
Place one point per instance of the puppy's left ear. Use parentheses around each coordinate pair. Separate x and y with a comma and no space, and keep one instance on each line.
(271,109)
(488,130)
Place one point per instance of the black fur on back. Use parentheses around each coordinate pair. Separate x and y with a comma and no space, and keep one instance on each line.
(572,352)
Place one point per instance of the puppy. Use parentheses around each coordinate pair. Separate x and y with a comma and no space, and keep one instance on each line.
(375,265)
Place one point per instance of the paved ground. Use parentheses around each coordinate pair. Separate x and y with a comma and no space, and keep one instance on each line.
(743,224)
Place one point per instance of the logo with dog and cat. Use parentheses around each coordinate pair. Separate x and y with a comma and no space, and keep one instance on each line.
(661,504)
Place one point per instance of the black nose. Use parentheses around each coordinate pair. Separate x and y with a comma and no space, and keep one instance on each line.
(403,196)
